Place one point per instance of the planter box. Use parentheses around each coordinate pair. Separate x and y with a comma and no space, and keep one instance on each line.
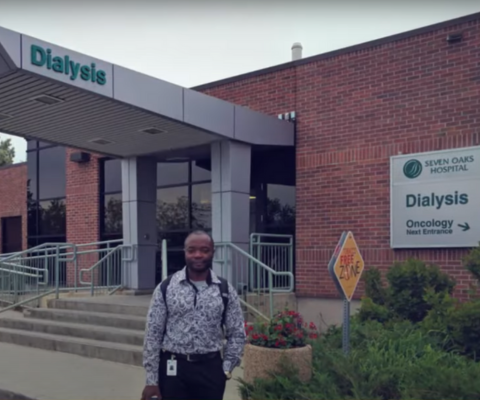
(260,361)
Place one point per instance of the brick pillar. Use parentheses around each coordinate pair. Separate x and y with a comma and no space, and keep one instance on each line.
(83,210)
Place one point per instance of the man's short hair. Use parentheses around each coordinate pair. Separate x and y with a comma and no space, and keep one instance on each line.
(201,232)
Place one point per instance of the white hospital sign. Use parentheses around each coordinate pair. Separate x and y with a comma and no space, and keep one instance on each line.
(435,199)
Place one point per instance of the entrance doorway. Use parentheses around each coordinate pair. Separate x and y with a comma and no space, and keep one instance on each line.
(11,234)
(272,205)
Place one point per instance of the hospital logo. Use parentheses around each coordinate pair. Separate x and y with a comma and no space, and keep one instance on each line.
(412,169)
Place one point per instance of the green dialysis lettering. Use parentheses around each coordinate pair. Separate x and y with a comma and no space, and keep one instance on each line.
(437,201)
(64,65)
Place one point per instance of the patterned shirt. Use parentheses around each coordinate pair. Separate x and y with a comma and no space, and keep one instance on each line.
(194,323)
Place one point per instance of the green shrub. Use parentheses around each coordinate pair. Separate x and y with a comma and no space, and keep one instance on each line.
(405,297)
(408,285)
(471,262)
(373,286)
(457,325)
(400,362)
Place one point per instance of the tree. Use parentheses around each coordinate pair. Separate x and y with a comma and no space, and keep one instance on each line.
(7,152)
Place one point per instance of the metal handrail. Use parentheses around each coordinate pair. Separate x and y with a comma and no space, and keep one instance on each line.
(269,271)
(272,248)
(29,300)
(22,266)
(59,246)
(94,266)
(264,266)
(254,310)
(12,256)
(21,273)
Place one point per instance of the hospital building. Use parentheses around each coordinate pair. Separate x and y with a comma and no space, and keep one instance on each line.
(380,139)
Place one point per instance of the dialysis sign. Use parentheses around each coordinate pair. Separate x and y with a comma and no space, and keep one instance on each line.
(66,66)
(435,199)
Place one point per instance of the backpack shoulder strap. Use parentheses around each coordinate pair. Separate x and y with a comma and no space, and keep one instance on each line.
(224,294)
(163,288)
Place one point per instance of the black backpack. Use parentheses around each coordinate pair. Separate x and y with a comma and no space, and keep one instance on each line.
(223,292)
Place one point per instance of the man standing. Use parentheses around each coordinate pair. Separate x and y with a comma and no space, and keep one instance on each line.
(184,337)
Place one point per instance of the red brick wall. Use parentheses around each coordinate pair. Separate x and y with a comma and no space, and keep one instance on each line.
(83,211)
(13,196)
(354,111)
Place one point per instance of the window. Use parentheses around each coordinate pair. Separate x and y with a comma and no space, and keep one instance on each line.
(280,205)
(113,176)
(32,176)
(174,173)
(172,208)
(201,171)
(46,191)
(52,217)
(181,204)
(51,173)
(112,214)
(202,206)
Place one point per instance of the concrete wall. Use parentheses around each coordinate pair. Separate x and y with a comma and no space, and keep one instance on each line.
(324,312)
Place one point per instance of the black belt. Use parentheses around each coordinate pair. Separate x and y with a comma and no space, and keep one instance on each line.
(193,357)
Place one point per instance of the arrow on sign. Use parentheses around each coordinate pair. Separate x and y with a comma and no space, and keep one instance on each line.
(465,227)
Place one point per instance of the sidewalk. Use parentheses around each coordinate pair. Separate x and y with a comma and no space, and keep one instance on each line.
(49,375)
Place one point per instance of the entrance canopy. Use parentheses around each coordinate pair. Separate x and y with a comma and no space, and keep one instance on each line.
(53,94)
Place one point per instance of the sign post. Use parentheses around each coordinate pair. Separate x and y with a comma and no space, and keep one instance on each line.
(346,267)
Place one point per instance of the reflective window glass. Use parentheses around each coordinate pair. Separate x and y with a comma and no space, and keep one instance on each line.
(31,144)
(113,217)
(201,170)
(172,208)
(51,173)
(202,206)
(41,145)
(172,173)
(32,218)
(175,240)
(32,176)
(112,175)
(280,205)
(52,217)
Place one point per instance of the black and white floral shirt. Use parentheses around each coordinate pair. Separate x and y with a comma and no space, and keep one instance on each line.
(194,323)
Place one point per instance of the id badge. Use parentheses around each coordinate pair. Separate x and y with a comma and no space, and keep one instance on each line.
(171,367)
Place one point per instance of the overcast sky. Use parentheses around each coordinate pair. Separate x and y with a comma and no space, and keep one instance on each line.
(193,42)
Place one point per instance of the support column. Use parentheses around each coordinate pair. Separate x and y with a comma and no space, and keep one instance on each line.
(231,165)
(139,197)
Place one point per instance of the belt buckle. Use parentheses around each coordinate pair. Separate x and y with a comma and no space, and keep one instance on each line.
(188,358)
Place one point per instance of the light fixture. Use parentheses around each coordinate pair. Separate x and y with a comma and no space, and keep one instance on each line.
(454,38)
(100,141)
(46,99)
(80,157)
(152,130)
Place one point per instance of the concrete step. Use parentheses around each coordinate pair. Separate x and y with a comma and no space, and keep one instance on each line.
(115,352)
(89,318)
(99,333)
(98,307)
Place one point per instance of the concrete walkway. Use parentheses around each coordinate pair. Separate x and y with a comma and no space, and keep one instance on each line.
(42,374)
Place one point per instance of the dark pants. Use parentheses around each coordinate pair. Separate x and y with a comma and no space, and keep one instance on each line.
(195,380)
